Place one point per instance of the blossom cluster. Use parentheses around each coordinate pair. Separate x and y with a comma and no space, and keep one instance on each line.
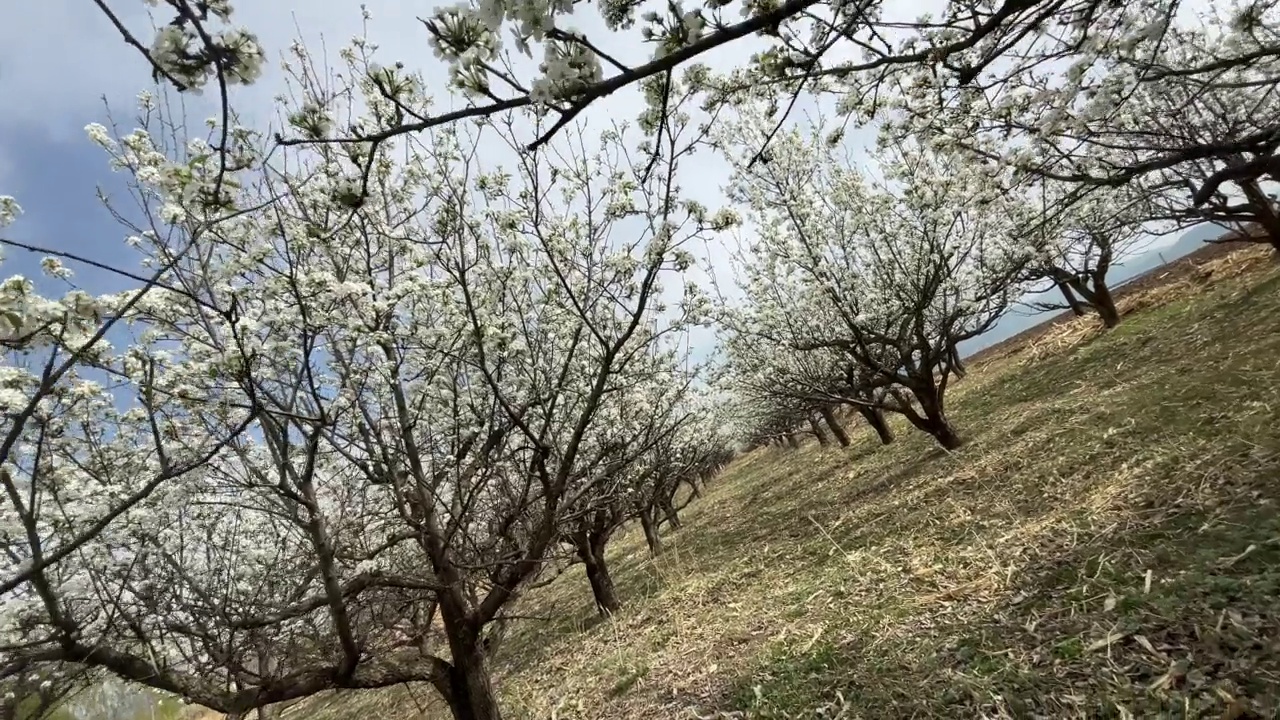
(200,45)
(392,369)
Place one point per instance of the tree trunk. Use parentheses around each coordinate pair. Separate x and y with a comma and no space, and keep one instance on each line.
(818,432)
(875,418)
(471,695)
(651,536)
(693,488)
(933,421)
(1265,214)
(669,512)
(1105,304)
(466,687)
(957,365)
(792,441)
(837,429)
(267,668)
(1077,308)
(591,552)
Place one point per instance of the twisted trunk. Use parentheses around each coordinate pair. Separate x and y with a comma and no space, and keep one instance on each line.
(1077,308)
(471,695)
(957,365)
(591,552)
(837,429)
(931,418)
(1099,297)
(1265,212)
(669,513)
(1105,304)
(875,418)
(818,432)
(466,687)
(651,537)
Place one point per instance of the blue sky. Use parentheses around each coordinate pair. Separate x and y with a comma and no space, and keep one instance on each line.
(55,183)
(46,161)
(60,58)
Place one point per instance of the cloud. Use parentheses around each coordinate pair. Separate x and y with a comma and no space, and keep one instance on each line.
(8,174)
(59,86)
(57,59)
(62,58)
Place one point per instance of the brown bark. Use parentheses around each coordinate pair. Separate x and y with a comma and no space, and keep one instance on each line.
(591,552)
(669,513)
(1099,297)
(818,432)
(875,418)
(957,364)
(471,695)
(837,429)
(1265,213)
(1077,308)
(932,419)
(466,686)
(1105,304)
(651,536)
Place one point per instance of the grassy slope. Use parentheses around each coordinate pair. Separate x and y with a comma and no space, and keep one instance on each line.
(1107,541)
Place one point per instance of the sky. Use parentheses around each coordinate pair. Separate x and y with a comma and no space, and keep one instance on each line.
(48,164)
(62,64)
(50,94)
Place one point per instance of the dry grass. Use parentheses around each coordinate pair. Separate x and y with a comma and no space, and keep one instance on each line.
(1105,545)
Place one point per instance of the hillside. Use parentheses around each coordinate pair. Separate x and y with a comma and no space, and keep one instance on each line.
(1106,543)
(1016,326)
(1185,266)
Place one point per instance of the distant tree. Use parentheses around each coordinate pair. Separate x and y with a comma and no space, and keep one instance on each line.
(764,367)
(627,472)
(1081,245)
(891,274)
(696,449)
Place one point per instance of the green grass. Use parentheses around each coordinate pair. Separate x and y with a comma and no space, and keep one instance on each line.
(1107,544)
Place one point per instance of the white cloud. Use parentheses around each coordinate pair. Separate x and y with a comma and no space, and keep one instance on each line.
(8,175)
(60,58)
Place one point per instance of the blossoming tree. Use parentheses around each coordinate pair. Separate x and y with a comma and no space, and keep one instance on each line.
(85,450)
(1081,241)
(893,273)
(763,368)
(390,374)
(1179,98)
